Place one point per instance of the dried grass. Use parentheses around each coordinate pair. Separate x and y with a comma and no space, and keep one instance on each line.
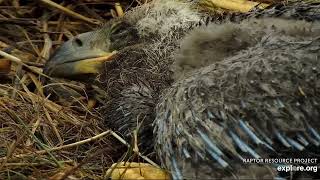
(40,138)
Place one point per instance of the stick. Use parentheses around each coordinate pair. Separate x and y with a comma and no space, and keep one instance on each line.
(237,5)
(70,12)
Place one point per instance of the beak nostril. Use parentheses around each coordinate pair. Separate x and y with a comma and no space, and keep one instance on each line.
(78,42)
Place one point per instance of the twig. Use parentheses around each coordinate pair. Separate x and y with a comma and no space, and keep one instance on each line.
(62,147)
(19,61)
(70,12)
(128,145)
(119,9)
(33,164)
(13,115)
(53,126)
(52,106)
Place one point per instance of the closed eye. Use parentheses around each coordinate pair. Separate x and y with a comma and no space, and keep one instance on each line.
(118,27)
(119,31)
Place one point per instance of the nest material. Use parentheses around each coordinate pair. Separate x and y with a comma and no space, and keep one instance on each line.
(79,145)
(32,125)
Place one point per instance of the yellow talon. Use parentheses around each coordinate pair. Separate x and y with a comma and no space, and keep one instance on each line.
(133,170)
(235,5)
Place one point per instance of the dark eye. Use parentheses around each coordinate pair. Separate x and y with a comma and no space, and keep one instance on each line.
(78,42)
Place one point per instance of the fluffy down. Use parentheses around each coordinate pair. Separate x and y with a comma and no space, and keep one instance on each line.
(260,100)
